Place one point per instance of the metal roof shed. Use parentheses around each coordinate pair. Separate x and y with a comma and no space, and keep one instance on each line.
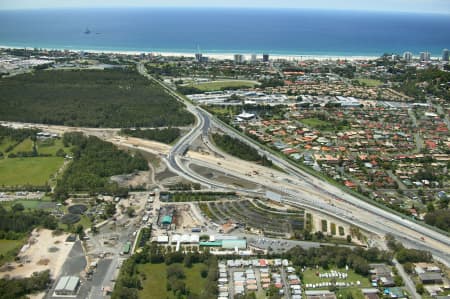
(232,244)
(72,284)
(62,283)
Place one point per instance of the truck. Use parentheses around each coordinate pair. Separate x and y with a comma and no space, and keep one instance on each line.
(126,248)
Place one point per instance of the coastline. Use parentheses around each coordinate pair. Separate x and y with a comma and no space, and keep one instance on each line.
(212,55)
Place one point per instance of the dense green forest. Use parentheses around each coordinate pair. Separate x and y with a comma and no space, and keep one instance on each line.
(167,135)
(239,149)
(92,98)
(187,89)
(18,288)
(17,222)
(94,162)
(418,83)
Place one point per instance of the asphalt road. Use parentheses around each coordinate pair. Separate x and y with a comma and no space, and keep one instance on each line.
(73,266)
(409,284)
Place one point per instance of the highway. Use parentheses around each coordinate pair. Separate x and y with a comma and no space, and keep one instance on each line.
(312,192)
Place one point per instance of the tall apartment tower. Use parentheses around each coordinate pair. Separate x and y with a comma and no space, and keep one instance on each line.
(445,55)
(238,58)
(198,57)
(407,56)
(425,56)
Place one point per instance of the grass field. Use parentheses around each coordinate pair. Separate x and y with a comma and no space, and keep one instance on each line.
(370,82)
(7,245)
(154,286)
(309,276)
(50,147)
(24,146)
(4,144)
(45,203)
(354,292)
(316,123)
(8,248)
(34,171)
(220,85)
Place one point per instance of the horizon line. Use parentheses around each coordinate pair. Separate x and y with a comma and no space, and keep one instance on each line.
(265,8)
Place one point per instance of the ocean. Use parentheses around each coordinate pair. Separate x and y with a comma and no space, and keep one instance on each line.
(274,31)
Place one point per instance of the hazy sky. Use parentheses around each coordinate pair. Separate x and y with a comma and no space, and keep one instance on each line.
(432,6)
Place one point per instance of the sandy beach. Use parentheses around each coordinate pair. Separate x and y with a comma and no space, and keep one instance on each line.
(212,55)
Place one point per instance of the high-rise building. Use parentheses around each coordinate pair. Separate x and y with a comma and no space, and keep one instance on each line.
(198,57)
(425,56)
(238,58)
(407,56)
(265,57)
(253,58)
(445,55)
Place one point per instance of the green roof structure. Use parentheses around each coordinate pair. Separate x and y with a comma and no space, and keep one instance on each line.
(167,220)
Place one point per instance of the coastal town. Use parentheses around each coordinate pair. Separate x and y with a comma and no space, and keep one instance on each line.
(164,213)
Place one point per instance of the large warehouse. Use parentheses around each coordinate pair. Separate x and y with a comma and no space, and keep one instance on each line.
(67,286)
(226,244)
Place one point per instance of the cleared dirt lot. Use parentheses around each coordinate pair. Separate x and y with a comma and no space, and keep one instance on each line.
(43,251)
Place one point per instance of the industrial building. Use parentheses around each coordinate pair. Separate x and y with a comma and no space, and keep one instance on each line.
(67,286)
(167,220)
(226,244)
(431,278)
(165,216)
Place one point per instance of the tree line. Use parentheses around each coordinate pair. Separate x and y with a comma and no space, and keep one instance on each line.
(17,136)
(239,149)
(17,221)
(407,255)
(197,196)
(166,135)
(439,218)
(326,257)
(94,162)
(20,287)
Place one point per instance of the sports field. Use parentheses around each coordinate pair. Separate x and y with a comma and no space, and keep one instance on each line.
(220,85)
(154,286)
(28,171)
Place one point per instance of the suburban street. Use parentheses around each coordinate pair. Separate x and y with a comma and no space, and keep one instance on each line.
(315,193)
